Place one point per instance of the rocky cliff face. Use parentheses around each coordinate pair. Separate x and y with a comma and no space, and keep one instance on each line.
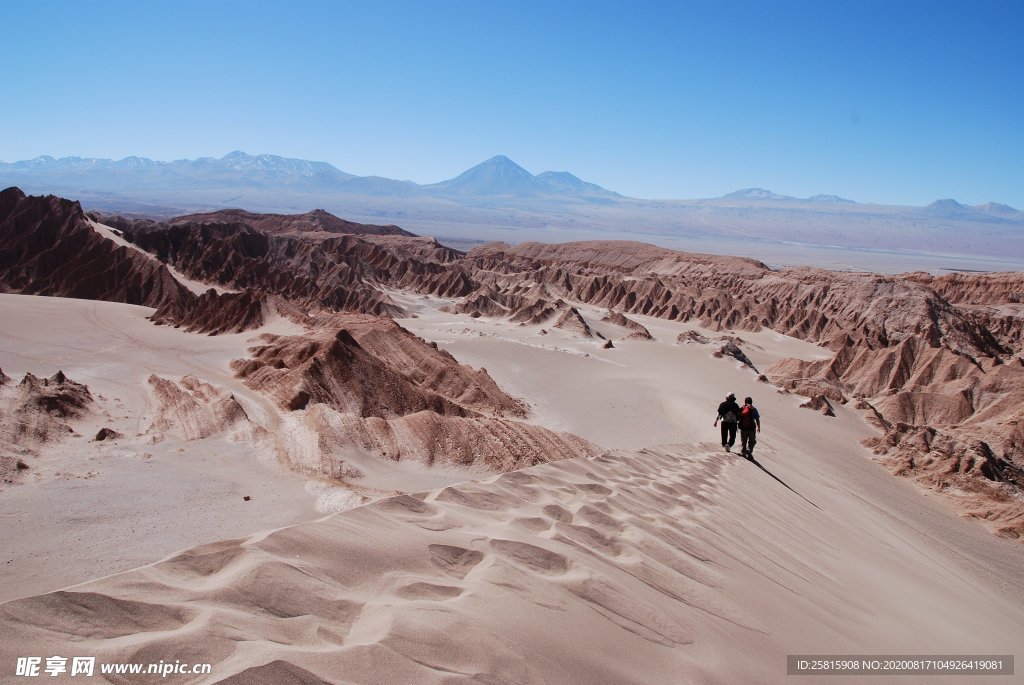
(338,273)
(47,247)
(34,412)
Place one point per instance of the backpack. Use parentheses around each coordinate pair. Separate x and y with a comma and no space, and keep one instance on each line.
(747,416)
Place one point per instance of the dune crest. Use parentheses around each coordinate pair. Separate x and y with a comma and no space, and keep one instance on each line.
(659,560)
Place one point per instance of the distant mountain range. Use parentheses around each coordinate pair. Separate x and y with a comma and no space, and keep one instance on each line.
(497,177)
(762,194)
(500,199)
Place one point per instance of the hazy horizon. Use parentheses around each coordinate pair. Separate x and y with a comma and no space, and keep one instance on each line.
(877,102)
(724,195)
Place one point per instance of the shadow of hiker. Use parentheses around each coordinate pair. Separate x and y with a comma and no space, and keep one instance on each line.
(759,465)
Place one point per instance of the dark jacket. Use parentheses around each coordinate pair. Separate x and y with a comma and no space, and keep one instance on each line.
(727,407)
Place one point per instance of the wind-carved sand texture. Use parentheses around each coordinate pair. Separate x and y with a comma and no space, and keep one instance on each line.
(658,565)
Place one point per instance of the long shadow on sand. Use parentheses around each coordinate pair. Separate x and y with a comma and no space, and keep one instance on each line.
(759,465)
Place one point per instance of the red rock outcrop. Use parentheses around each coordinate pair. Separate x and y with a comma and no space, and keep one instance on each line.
(338,273)
(692,337)
(572,321)
(732,349)
(370,367)
(194,409)
(48,247)
(213,312)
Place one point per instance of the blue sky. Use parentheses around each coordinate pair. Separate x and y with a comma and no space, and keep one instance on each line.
(893,101)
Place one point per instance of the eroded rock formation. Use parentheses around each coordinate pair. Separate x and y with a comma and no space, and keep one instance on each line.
(934,362)
(365,383)
(34,412)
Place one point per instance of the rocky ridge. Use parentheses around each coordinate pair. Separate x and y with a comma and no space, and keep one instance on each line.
(48,247)
(315,222)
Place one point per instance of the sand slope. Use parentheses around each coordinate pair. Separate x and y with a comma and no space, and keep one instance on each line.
(650,566)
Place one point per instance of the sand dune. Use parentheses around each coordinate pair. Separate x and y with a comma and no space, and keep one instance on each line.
(658,565)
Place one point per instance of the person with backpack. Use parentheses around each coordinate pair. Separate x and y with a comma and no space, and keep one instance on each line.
(729,414)
(750,426)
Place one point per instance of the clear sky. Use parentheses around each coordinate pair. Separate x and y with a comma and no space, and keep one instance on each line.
(893,101)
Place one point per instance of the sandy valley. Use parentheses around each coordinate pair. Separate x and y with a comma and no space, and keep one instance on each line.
(367,458)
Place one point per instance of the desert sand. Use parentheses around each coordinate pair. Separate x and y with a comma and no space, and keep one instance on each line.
(662,560)
(417,465)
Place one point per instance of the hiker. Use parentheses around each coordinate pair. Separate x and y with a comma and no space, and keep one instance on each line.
(729,414)
(750,426)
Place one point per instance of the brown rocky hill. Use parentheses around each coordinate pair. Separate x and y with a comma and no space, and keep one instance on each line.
(48,246)
(353,382)
(337,273)
(364,383)
(316,222)
(34,412)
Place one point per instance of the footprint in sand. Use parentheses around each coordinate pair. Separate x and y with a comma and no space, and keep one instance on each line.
(406,504)
(533,524)
(519,478)
(558,513)
(668,489)
(455,561)
(598,518)
(428,591)
(475,499)
(532,557)
(589,539)
(595,488)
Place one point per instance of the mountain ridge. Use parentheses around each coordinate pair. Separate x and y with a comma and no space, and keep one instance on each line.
(497,166)
(499,199)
